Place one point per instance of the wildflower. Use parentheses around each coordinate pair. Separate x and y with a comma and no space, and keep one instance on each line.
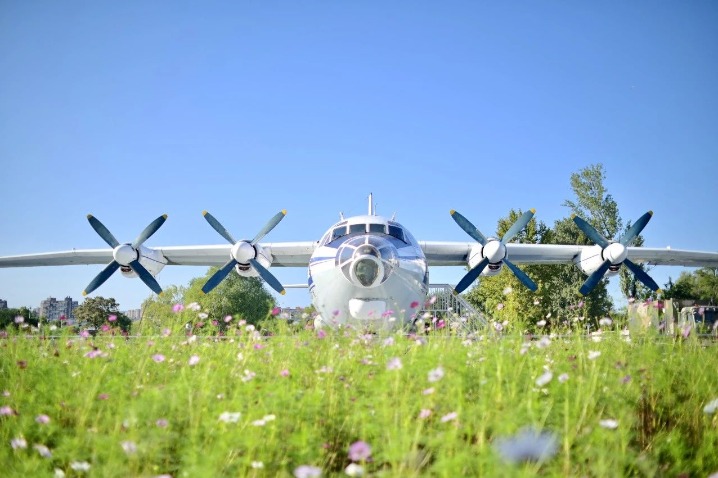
(80,466)
(498,326)
(544,379)
(414,304)
(59,473)
(42,419)
(250,328)
(166,332)
(353,469)
(307,471)
(158,358)
(499,306)
(193,360)
(711,407)
(43,450)
(177,308)
(194,306)
(248,375)
(269,418)
(228,319)
(18,443)
(5,393)
(425,413)
(112,318)
(6,411)
(440,324)
(543,343)
(388,341)
(230,417)
(525,348)
(548,316)
(626,379)
(541,323)
(686,331)
(129,447)
(257,465)
(284,373)
(449,417)
(537,302)
(162,423)
(593,354)
(202,315)
(394,364)
(527,445)
(359,451)
(84,334)
(259,346)
(321,334)
(428,391)
(105,327)
(336,312)
(103,396)
(259,423)
(19,319)
(605,322)
(563,378)
(436,374)
(609,423)
(93,353)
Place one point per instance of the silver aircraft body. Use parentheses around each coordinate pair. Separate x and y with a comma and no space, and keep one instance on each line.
(368,271)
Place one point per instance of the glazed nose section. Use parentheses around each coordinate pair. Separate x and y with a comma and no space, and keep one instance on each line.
(367,261)
(367,270)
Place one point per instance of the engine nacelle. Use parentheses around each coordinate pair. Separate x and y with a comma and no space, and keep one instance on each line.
(245,269)
(151,259)
(591,258)
(476,255)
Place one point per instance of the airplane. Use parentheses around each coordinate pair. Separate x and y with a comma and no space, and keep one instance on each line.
(367,270)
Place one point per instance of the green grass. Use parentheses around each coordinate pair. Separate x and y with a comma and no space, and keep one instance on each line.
(340,391)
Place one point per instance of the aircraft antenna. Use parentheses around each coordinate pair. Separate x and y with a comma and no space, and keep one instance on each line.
(341,216)
(371,212)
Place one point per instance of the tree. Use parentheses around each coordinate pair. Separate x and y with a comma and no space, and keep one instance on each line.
(245,297)
(7,317)
(682,289)
(96,312)
(700,285)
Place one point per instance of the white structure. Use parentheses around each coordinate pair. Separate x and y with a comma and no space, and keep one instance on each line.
(52,309)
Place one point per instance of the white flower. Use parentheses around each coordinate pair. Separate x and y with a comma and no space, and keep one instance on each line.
(508,290)
(436,374)
(394,364)
(543,343)
(605,322)
(194,306)
(18,443)
(59,473)
(129,447)
(563,377)
(43,451)
(544,379)
(541,323)
(193,360)
(609,423)
(353,469)
(527,445)
(593,354)
(711,407)
(257,465)
(449,417)
(230,417)
(80,466)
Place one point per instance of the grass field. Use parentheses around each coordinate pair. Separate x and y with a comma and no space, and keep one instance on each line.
(300,403)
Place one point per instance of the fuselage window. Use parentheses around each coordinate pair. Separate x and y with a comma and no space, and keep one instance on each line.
(377,228)
(395,231)
(357,228)
(339,232)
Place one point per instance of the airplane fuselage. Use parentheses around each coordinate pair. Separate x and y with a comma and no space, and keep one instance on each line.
(369,272)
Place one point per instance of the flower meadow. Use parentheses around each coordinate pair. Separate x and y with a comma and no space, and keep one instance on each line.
(297,403)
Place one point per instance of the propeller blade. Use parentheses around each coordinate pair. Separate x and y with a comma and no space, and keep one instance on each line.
(595,278)
(471,276)
(641,275)
(521,275)
(267,276)
(590,232)
(145,276)
(269,226)
(518,225)
(149,230)
(101,277)
(636,229)
(218,276)
(218,227)
(468,228)
(104,233)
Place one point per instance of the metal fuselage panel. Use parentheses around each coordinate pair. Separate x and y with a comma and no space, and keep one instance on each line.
(368,278)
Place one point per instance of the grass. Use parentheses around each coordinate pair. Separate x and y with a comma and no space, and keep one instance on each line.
(139,408)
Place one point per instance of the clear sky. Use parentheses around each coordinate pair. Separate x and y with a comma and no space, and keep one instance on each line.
(128,110)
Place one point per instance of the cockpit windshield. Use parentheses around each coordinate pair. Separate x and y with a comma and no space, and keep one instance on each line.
(392,229)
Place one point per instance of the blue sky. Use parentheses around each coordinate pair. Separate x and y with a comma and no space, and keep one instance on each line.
(128,110)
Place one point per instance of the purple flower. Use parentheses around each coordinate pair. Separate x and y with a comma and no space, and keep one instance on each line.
(42,419)
(162,423)
(394,364)
(158,358)
(527,445)
(359,451)
(307,471)
(321,334)
(449,417)
(177,308)
(6,410)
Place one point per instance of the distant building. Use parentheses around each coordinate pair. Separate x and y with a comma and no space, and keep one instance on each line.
(134,315)
(290,313)
(3,304)
(52,309)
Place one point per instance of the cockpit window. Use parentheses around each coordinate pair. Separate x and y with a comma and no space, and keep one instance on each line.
(357,228)
(396,232)
(377,228)
(339,232)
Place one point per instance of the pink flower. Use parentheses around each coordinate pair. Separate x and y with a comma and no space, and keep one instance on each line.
(359,451)
(258,346)
(103,396)
(112,318)
(166,332)
(414,304)
(276,311)
(394,364)
(84,334)
(440,324)
(228,319)
(425,413)
(499,306)
(6,410)
(93,353)
(284,373)
(42,419)
(321,334)
(335,313)
(193,360)
(162,423)
(449,417)
(105,327)
(19,319)
(177,308)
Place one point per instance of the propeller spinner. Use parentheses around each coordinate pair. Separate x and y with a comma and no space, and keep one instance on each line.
(126,255)
(493,250)
(243,252)
(615,252)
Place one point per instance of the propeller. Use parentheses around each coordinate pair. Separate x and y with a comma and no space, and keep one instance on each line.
(243,252)
(614,253)
(127,255)
(493,250)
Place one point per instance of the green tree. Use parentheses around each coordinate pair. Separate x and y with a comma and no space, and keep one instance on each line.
(7,317)
(242,297)
(96,312)
(682,289)
(503,295)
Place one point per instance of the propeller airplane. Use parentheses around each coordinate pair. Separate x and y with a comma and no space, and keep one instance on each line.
(365,269)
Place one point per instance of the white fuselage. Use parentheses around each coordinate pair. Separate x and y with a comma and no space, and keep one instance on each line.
(368,272)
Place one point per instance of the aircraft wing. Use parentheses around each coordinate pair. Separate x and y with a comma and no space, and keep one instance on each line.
(457,253)
(284,254)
